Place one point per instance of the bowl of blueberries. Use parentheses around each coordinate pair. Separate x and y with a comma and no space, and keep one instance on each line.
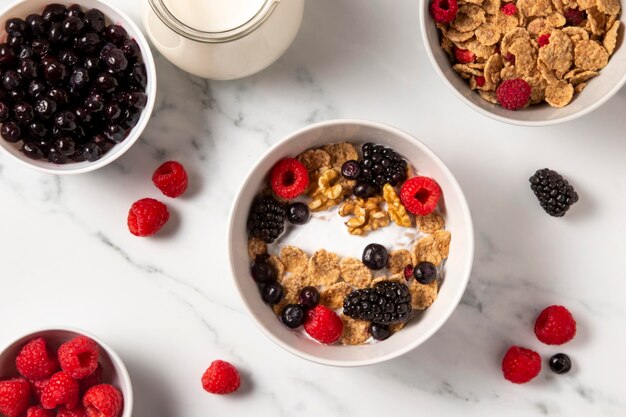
(77,84)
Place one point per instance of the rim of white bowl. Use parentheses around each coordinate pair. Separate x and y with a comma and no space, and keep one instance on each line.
(456,297)
(115,358)
(558,120)
(136,132)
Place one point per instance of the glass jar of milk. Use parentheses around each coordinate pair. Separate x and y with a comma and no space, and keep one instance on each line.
(222,39)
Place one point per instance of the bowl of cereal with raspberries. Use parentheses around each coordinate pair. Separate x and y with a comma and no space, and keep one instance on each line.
(527,62)
(350,243)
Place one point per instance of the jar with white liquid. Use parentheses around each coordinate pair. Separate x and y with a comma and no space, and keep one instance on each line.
(222,39)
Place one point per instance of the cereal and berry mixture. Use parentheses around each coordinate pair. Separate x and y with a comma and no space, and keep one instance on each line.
(339,299)
(522,52)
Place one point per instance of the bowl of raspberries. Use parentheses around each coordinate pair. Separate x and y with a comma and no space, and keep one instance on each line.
(350,243)
(63,372)
(77,84)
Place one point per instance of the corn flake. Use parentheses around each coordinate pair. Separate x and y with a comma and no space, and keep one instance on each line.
(589,55)
(559,94)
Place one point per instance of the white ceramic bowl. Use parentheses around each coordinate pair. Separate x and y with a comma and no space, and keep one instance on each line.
(599,90)
(114,371)
(25,7)
(458,222)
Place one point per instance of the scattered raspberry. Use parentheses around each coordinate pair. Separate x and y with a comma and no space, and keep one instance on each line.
(79,411)
(323,324)
(509,57)
(35,360)
(408,272)
(480,81)
(513,94)
(14,397)
(289,178)
(420,195)
(543,40)
(555,326)
(39,411)
(221,378)
(444,11)
(62,389)
(171,178)
(103,400)
(574,17)
(91,380)
(464,56)
(509,9)
(147,216)
(520,365)
(36,388)
(79,357)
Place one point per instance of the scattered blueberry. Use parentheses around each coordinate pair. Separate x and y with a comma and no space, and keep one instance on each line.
(292,316)
(375,256)
(425,273)
(263,272)
(309,297)
(272,293)
(351,170)
(298,213)
(365,190)
(380,331)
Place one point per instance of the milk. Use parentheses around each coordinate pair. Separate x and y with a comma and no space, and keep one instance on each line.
(214,15)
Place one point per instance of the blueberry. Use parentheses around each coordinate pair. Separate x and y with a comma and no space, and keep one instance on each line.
(365,190)
(55,72)
(92,152)
(56,157)
(7,56)
(4,112)
(106,82)
(94,19)
(263,272)
(36,88)
(351,170)
(131,50)
(116,60)
(45,107)
(32,151)
(309,297)
(11,132)
(75,11)
(41,47)
(129,119)
(92,63)
(89,43)
(79,77)
(83,115)
(94,103)
(138,100)
(380,331)
(138,76)
(38,130)
(11,80)
(36,25)
(16,95)
(26,51)
(560,363)
(15,40)
(27,69)
(56,35)
(59,95)
(116,34)
(112,111)
(272,293)
(24,113)
(15,25)
(292,316)
(65,120)
(298,213)
(115,133)
(375,256)
(54,13)
(68,58)
(425,272)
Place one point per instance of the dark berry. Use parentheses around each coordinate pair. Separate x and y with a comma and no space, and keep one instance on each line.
(4,112)
(83,115)
(138,76)
(263,272)
(55,72)
(56,157)
(130,118)
(15,25)
(32,151)
(115,133)
(105,50)
(36,25)
(54,12)
(138,100)
(7,57)
(38,130)
(554,193)
(56,36)
(65,120)
(41,47)
(73,25)
(387,302)
(425,272)
(24,113)
(381,166)
(79,77)
(365,190)
(16,95)
(11,132)
(27,69)
(298,213)
(26,52)
(267,219)
(36,88)
(380,331)
(309,297)
(92,152)
(116,34)
(11,80)
(65,145)
(59,96)
(15,41)
(94,102)
(131,50)
(89,43)
(94,19)
(351,170)
(75,11)
(293,316)
(106,82)
(375,256)
(408,272)
(112,111)
(92,63)
(272,293)
(560,363)
(68,58)
(116,60)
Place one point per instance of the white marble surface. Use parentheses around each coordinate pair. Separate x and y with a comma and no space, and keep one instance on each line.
(168,306)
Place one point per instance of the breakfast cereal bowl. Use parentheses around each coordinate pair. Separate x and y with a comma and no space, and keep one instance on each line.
(113,369)
(337,239)
(113,15)
(601,88)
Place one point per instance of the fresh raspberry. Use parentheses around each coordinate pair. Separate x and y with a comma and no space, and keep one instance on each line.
(464,56)
(62,389)
(480,81)
(36,388)
(171,178)
(420,195)
(289,178)
(103,400)
(323,324)
(555,326)
(79,357)
(543,40)
(513,94)
(14,397)
(39,411)
(520,365)
(509,9)
(221,378)
(91,380)
(35,360)
(574,17)
(79,411)
(147,216)
(444,11)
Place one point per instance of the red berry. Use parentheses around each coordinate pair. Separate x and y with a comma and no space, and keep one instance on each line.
(420,195)
(79,357)
(171,178)
(79,411)
(289,178)
(509,57)
(14,397)
(520,365)
(36,387)
(513,94)
(408,272)
(103,400)
(555,326)
(35,360)
(480,81)
(147,216)
(62,389)
(543,40)
(464,56)
(39,411)
(221,378)
(509,9)
(574,17)
(91,380)
(323,324)
(444,11)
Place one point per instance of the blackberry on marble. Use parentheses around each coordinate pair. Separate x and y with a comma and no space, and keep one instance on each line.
(554,193)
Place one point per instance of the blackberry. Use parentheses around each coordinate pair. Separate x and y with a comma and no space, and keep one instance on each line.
(555,194)
(267,219)
(387,302)
(381,166)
